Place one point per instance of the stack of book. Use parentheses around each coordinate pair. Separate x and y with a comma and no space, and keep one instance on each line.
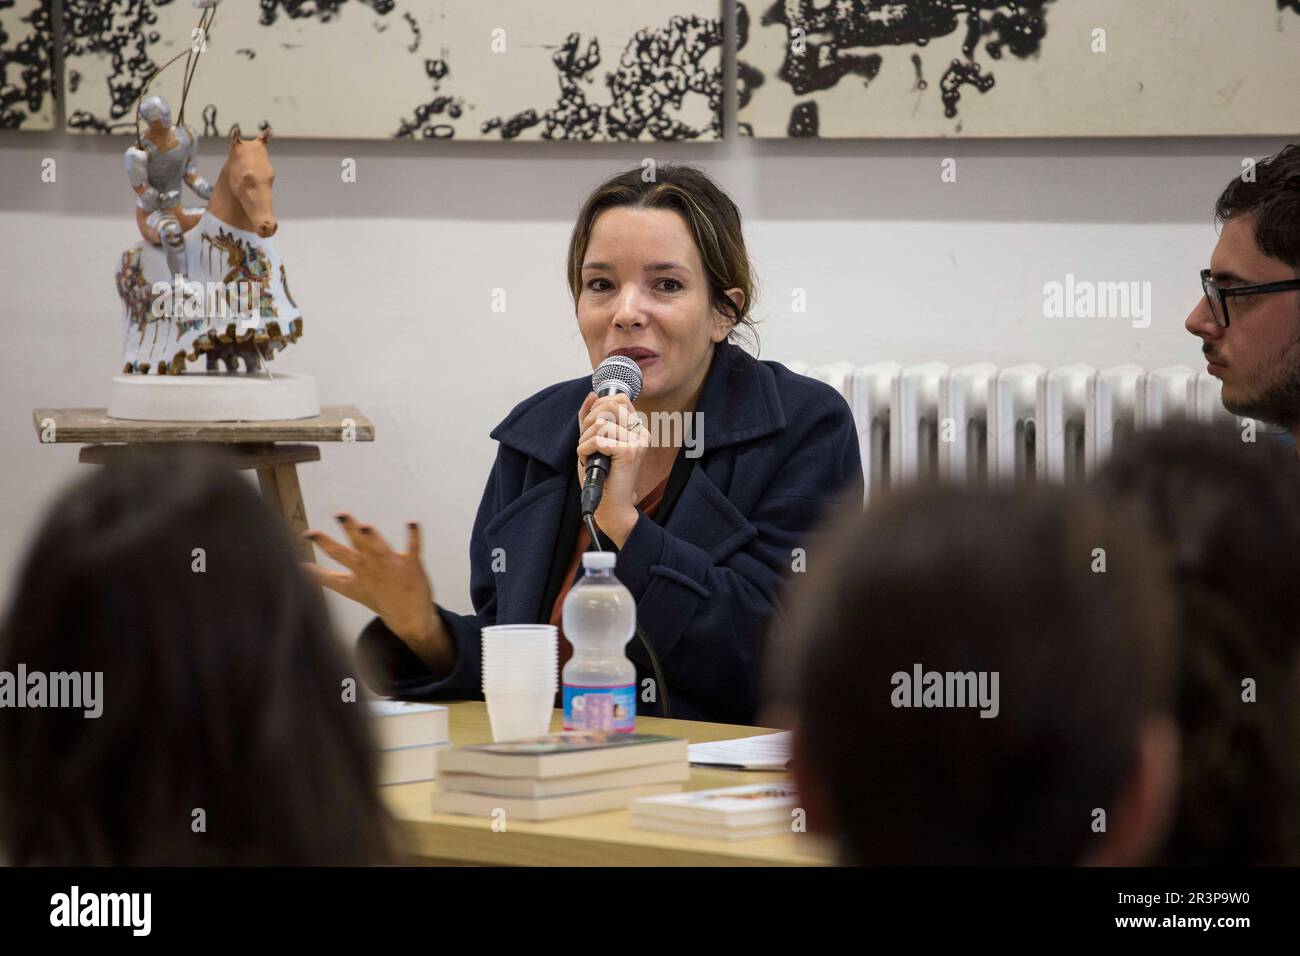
(409,736)
(729,813)
(559,775)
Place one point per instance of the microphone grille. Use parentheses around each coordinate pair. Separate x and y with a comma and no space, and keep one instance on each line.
(620,371)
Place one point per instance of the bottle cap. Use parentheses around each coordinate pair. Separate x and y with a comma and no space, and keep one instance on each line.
(598,560)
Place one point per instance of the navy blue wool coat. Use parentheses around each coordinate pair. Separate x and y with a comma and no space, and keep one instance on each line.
(706,572)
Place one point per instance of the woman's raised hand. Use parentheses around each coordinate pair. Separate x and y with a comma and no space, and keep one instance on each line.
(393,584)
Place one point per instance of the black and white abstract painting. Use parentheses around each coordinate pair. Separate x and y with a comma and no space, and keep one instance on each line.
(27,88)
(420,69)
(995,68)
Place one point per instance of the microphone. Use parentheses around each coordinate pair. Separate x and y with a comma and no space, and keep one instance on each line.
(617,374)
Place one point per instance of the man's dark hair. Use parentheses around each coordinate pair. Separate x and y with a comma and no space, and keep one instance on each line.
(1229,512)
(1273,199)
(222,685)
(966,580)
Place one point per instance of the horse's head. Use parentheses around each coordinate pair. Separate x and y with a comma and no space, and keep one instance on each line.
(250,177)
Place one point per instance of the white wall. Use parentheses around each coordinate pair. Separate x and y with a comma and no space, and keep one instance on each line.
(395,276)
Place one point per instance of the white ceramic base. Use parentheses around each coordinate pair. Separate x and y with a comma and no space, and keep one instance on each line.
(213,397)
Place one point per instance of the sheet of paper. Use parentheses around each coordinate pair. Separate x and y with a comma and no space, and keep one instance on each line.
(764,752)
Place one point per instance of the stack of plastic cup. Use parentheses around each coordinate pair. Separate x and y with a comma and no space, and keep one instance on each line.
(520,678)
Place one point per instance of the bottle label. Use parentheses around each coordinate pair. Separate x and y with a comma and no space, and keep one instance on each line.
(600,708)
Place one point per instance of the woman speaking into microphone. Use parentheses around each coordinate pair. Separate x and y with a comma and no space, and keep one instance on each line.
(706,525)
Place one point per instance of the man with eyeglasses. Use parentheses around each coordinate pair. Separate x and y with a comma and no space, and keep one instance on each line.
(1248,320)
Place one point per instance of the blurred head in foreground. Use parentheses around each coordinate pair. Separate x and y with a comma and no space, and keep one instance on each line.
(1229,512)
(222,735)
(981,680)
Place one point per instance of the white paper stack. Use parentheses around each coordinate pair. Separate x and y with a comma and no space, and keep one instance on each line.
(764,752)
(408,735)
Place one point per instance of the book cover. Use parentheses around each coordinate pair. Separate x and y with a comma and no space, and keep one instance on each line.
(395,724)
(544,808)
(725,806)
(730,834)
(568,741)
(563,754)
(673,772)
(408,764)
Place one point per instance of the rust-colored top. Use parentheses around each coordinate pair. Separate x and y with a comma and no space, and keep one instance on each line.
(647,506)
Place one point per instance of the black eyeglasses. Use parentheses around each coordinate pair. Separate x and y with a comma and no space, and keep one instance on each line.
(1218,297)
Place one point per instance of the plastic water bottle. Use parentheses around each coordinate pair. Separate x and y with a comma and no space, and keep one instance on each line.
(599,619)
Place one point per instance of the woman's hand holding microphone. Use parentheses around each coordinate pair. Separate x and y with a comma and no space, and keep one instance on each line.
(610,426)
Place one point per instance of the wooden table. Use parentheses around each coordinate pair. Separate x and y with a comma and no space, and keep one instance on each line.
(248,445)
(596,839)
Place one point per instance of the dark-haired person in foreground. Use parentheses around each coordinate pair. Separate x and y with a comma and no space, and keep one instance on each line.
(1229,514)
(223,736)
(1043,736)
(1248,319)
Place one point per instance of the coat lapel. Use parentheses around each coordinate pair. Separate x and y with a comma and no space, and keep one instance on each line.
(706,518)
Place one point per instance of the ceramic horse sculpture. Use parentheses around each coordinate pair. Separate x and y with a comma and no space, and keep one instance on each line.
(234,303)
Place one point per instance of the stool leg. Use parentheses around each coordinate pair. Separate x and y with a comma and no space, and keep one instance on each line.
(280,487)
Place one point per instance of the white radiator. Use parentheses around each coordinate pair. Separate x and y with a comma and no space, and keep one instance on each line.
(982,423)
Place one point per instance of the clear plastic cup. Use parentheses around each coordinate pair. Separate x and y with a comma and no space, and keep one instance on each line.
(519,634)
(505,661)
(535,687)
(513,670)
(519,651)
(542,682)
(539,678)
(515,716)
(520,678)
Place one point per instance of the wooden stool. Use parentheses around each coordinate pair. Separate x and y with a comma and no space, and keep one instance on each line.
(248,445)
